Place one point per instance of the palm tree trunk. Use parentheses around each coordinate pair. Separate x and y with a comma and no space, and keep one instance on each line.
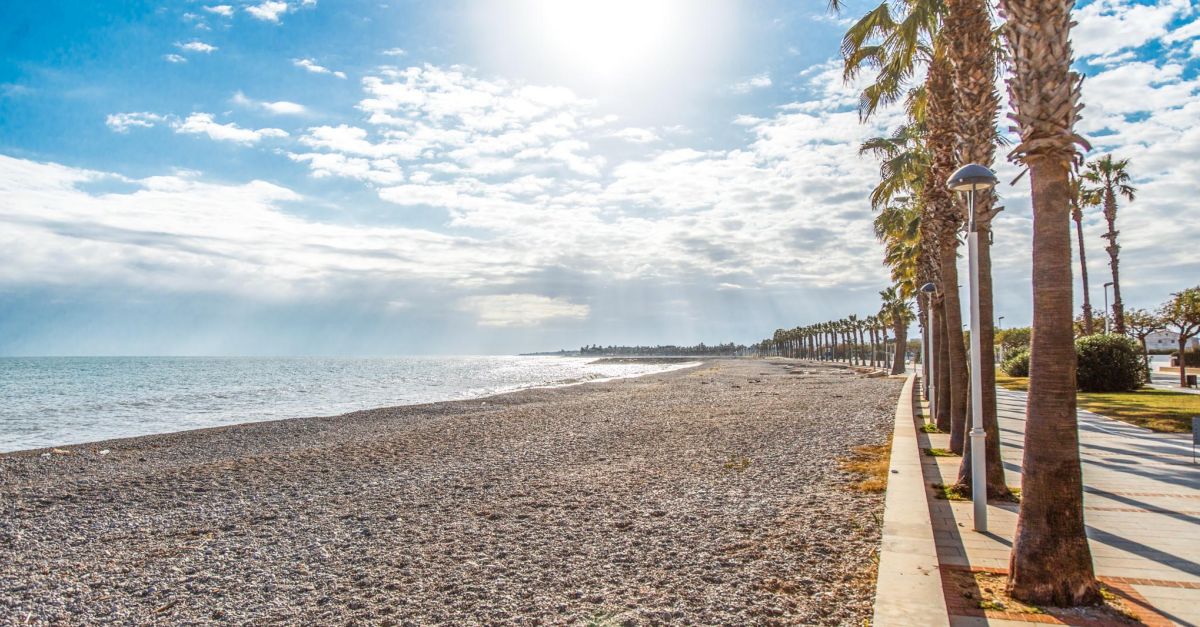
(942,368)
(996,484)
(1118,308)
(900,330)
(956,350)
(1051,561)
(1089,326)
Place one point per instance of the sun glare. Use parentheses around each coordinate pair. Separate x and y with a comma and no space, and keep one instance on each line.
(649,50)
(605,37)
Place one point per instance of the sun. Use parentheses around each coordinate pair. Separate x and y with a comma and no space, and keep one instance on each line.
(637,55)
(606,38)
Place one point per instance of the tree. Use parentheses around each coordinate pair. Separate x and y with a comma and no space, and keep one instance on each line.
(967,26)
(1079,199)
(1181,314)
(1140,323)
(1051,562)
(1111,179)
(898,313)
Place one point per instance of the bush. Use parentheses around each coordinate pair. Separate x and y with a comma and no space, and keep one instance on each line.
(1017,364)
(1109,363)
(1191,357)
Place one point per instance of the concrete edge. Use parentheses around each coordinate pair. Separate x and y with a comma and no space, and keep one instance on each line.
(908,590)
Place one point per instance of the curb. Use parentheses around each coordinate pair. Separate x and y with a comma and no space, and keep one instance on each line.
(908,590)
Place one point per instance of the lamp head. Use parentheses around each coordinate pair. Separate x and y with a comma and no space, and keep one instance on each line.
(971,176)
(929,288)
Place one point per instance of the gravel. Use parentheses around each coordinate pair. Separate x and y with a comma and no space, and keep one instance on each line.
(700,496)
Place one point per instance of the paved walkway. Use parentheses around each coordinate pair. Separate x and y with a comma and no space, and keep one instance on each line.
(1141,505)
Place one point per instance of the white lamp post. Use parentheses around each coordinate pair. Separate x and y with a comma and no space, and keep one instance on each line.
(969,179)
(1107,315)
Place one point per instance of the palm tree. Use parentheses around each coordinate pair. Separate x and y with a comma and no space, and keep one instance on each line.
(897,312)
(1111,179)
(1051,562)
(851,329)
(946,218)
(1080,199)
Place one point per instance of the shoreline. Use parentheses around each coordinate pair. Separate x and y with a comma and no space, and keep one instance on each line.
(600,379)
(662,498)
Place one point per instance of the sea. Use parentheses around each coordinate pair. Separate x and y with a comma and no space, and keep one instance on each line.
(54,401)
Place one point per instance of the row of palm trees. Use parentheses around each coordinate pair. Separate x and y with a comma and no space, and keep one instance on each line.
(853,340)
(952,120)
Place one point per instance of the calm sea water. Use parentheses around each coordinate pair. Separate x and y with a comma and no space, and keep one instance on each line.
(50,401)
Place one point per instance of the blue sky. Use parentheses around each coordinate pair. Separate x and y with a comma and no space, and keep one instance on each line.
(348,177)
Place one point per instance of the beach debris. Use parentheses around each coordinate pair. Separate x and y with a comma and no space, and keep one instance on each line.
(104,452)
(61,451)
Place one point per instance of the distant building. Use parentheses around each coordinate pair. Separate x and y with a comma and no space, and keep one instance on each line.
(1168,340)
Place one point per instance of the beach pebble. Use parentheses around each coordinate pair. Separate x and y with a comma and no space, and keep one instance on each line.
(686,497)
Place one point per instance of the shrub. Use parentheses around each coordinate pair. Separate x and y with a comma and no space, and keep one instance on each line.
(1191,357)
(1017,364)
(1109,363)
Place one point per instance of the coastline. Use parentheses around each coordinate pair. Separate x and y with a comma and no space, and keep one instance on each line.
(669,496)
(168,427)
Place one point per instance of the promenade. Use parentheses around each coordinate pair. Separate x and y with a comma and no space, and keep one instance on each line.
(1142,509)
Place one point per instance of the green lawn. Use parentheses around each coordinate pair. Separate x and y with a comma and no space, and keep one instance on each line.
(1158,410)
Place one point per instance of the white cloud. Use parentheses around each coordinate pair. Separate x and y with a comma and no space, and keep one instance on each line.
(268,11)
(197,46)
(223,10)
(122,122)
(174,58)
(1106,27)
(312,66)
(636,135)
(280,107)
(179,233)
(203,124)
(521,310)
(758,81)
(394,52)
(377,171)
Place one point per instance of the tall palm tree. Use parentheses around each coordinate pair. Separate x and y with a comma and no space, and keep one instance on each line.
(1051,562)
(1079,199)
(1111,179)
(893,45)
(898,313)
(971,44)
(945,216)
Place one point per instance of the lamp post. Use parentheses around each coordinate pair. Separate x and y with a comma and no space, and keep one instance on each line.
(1107,314)
(969,179)
(1000,326)
(929,289)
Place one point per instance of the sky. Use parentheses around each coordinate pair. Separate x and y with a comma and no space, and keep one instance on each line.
(292,177)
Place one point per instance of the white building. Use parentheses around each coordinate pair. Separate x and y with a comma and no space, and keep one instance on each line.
(1168,340)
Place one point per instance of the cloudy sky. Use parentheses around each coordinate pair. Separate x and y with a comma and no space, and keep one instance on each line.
(321,177)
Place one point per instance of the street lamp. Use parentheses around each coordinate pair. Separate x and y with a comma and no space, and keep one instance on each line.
(1107,315)
(929,289)
(969,179)
(1000,326)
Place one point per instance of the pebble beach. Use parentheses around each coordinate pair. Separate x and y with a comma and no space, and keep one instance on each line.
(707,495)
